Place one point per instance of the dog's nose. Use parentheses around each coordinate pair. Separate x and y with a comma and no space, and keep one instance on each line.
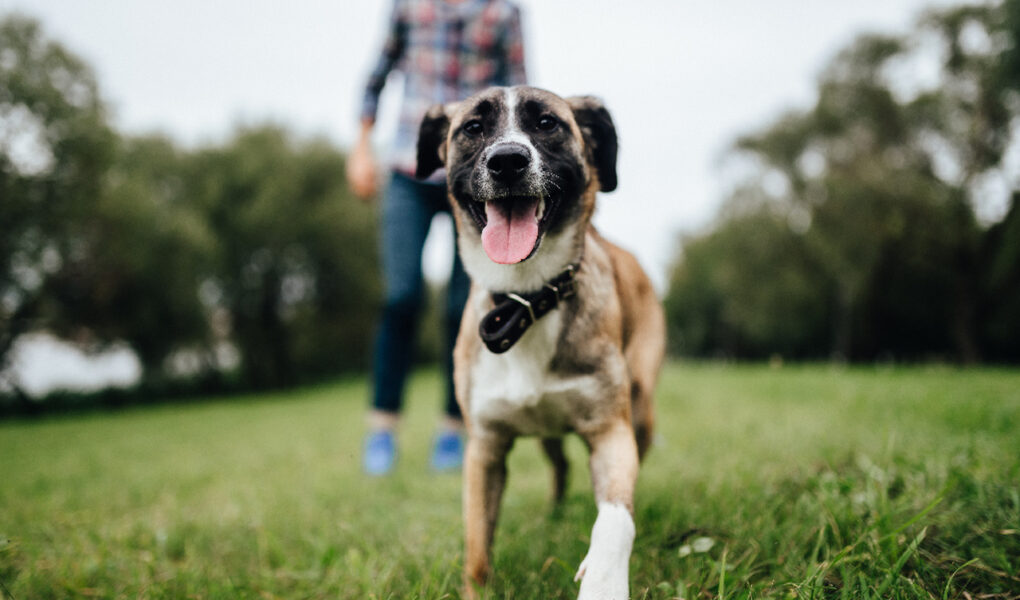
(507,163)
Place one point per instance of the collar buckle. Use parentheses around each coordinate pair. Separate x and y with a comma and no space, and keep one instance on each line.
(506,323)
(524,303)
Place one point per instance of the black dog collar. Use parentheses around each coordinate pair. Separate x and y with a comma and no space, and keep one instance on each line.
(514,313)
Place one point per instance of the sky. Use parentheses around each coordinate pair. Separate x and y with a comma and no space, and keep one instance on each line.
(681,79)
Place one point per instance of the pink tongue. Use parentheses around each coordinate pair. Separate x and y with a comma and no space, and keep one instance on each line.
(509,237)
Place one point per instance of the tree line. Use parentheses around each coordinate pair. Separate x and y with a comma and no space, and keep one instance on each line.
(858,233)
(244,264)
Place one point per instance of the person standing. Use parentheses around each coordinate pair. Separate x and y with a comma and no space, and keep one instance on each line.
(447,50)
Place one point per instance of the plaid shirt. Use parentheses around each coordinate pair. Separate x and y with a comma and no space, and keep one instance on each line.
(447,52)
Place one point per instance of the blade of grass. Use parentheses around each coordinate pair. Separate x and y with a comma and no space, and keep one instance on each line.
(910,551)
(938,499)
(836,560)
(865,590)
(722,575)
(949,582)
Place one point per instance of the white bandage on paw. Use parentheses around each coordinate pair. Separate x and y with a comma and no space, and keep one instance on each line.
(604,572)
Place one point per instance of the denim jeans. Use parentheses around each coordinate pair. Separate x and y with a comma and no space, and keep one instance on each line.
(407,211)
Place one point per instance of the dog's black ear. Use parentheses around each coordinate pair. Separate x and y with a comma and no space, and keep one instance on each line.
(432,141)
(599,137)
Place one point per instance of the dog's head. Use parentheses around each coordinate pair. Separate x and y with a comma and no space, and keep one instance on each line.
(523,166)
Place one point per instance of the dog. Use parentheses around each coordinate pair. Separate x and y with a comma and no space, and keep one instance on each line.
(562,331)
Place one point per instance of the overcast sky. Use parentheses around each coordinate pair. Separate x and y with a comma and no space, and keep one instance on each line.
(682,79)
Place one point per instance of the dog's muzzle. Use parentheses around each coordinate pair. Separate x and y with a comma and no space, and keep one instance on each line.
(507,163)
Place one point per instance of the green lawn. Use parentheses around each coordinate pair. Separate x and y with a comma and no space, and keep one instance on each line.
(796,482)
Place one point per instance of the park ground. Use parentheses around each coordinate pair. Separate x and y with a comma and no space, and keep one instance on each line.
(795,482)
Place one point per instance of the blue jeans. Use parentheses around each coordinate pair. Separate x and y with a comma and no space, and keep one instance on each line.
(407,211)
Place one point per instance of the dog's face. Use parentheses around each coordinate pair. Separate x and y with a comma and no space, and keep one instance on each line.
(523,166)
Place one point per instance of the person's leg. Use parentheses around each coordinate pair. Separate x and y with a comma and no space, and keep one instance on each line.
(406,215)
(457,290)
(456,296)
(449,448)
(448,453)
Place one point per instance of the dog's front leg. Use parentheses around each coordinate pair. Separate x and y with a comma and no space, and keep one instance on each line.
(484,479)
(604,572)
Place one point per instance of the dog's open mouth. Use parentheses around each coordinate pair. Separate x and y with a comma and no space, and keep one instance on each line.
(511,227)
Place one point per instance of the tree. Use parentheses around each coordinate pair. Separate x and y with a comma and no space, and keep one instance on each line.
(749,288)
(883,176)
(296,263)
(254,245)
(55,147)
(144,252)
(1001,282)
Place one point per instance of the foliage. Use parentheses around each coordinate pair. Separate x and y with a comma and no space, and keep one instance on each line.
(55,148)
(1001,260)
(296,264)
(807,482)
(145,253)
(247,260)
(726,307)
(869,200)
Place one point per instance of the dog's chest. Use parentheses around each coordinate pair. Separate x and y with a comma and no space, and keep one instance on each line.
(516,389)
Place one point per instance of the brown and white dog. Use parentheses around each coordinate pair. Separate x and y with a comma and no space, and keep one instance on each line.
(523,167)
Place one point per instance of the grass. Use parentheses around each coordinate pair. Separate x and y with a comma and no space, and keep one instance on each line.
(800,482)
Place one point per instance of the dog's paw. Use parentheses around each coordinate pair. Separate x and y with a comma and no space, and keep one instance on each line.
(599,583)
(602,586)
(581,569)
(604,571)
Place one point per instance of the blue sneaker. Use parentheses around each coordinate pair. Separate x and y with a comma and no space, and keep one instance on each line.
(380,453)
(448,453)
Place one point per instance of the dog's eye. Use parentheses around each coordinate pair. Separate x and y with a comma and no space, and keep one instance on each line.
(473,128)
(548,123)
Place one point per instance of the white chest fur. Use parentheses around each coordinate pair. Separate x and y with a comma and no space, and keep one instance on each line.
(517,389)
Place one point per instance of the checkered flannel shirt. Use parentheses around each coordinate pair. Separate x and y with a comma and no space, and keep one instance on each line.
(447,51)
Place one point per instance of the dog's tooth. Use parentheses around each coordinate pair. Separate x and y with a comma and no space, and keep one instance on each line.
(540,209)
